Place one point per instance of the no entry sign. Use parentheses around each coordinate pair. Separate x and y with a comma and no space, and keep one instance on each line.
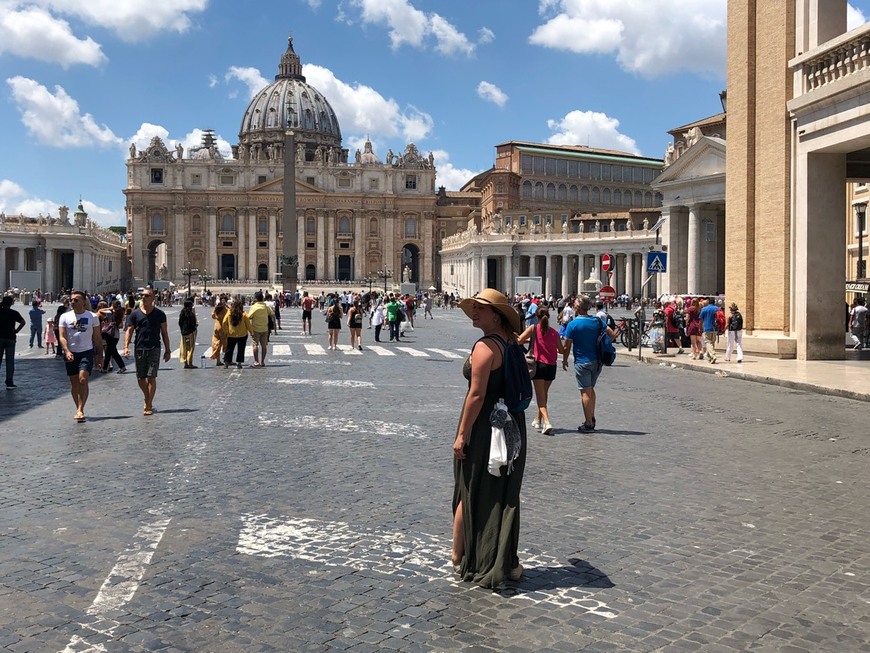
(606,262)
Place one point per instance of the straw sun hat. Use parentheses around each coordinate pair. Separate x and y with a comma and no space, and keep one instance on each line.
(497,302)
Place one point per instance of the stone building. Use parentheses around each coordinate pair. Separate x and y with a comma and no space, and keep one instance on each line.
(798,132)
(62,254)
(553,211)
(359,215)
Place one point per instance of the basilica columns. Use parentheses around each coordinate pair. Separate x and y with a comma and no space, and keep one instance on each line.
(243,268)
(272,263)
(251,272)
(693,262)
(212,244)
(320,272)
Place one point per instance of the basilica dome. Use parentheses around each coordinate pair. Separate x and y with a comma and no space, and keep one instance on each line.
(290,103)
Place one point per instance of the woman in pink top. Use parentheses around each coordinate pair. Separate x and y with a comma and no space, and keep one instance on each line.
(546,347)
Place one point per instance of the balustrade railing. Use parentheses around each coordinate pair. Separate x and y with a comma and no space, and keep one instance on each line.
(837,59)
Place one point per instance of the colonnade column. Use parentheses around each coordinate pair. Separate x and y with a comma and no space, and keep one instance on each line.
(4,282)
(580,277)
(320,261)
(629,274)
(300,245)
(48,280)
(212,244)
(565,289)
(359,251)
(251,272)
(272,264)
(330,245)
(693,271)
(180,254)
(533,265)
(507,274)
(243,259)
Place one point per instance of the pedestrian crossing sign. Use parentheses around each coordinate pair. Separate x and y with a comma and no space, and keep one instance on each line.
(656,262)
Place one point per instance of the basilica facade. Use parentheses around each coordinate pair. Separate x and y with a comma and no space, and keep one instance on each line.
(359,216)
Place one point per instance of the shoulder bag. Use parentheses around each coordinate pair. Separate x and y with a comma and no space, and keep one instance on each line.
(530,356)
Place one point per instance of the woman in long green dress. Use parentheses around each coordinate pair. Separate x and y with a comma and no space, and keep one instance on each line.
(486,508)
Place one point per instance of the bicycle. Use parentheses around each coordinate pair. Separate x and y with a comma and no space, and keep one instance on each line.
(626,332)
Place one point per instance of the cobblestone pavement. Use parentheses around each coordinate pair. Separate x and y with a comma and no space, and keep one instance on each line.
(306,507)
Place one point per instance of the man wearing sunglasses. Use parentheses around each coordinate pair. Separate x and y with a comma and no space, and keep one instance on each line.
(148,323)
(82,344)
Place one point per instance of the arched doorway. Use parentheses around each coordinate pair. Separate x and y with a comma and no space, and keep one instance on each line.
(228,266)
(157,264)
(262,272)
(410,260)
(310,273)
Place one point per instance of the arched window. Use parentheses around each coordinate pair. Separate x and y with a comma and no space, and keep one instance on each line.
(344,225)
(626,198)
(410,228)
(596,195)
(617,197)
(527,190)
(647,199)
(157,223)
(605,196)
(310,227)
(551,191)
(563,193)
(262,225)
(539,190)
(584,194)
(196,224)
(228,222)
(638,198)
(572,193)
(373,227)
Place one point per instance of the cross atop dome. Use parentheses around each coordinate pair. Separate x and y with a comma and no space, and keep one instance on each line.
(290,66)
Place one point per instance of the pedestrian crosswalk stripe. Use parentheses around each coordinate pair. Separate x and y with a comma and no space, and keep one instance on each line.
(413,352)
(280,350)
(315,350)
(445,353)
(347,349)
(380,351)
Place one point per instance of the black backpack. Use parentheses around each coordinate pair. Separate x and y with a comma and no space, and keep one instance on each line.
(517,382)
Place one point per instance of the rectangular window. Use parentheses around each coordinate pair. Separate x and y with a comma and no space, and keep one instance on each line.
(226,243)
(537,219)
(562,168)
(157,176)
(227,180)
(526,163)
(617,173)
(309,180)
(110,266)
(572,169)
(344,245)
(261,179)
(522,221)
(595,172)
(637,175)
(310,245)
(605,171)
(551,166)
(262,244)
(374,184)
(539,165)
(411,182)
(710,231)
(196,179)
(584,170)
(309,226)
(344,182)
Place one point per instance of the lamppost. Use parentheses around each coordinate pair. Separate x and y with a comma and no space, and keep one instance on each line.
(189,272)
(205,277)
(385,274)
(860,217)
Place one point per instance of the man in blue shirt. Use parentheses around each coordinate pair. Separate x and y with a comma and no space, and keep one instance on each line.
(708,323)
(36,314)
(581,337)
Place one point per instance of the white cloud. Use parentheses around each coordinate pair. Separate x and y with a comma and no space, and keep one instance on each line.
(362,110)
(492,93)
(212,81)
(485,35)
(15,200)
(648,38)
(854,17)
(411,26)
(447,175)
(250,77)
(131,20)
(314,4)
(55,119)
(147,131)
(33,32)
(590,128)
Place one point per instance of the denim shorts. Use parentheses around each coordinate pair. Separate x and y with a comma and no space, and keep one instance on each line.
(586,374)
(147,362)
(81,362)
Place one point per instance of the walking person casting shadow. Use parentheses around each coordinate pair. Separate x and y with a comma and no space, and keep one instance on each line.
(82,344)
(148,323)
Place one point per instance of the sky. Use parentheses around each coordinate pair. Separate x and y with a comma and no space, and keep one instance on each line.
(80,80)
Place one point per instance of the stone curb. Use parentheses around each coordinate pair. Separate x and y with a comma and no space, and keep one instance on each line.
(668,359)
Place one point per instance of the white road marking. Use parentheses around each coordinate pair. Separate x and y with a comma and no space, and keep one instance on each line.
(280,350)
(347,349)
(342,425)
(315,350)
(305,361)
(341,384)
(445,353)
(400,554)
(380,351)
(413,352)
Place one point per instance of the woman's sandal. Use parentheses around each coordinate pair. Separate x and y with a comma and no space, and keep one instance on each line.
(148,411)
